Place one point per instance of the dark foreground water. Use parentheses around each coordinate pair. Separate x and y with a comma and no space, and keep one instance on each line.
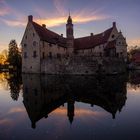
(69,107)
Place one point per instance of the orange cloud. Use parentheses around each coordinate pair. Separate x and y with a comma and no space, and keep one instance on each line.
(16,110)
(5,122)
(57,21)
(134,42)
(79,112)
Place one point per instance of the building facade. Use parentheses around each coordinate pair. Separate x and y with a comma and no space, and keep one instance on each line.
(44,50)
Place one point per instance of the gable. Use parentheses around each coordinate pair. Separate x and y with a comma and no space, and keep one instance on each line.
(29,34)
(113,34)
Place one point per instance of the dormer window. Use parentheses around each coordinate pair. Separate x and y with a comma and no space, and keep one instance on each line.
(26,37)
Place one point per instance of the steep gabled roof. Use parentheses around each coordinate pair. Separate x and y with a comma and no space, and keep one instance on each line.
(49,36)
(92,41)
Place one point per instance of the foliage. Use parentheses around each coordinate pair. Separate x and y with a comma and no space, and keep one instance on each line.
(3,57)
(14,55)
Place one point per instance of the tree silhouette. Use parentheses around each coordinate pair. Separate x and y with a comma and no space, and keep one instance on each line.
(14,82)
(14,55)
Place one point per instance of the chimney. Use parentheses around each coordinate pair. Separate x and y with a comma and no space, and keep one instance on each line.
(91,34)
(114,24)
(43,25)
(30,18)
(61,35)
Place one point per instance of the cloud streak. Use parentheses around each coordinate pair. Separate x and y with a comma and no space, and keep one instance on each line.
(4,8)
(14,23)
(59,5)
(58,18)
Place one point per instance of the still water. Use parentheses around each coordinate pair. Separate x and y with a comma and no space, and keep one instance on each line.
(69,107)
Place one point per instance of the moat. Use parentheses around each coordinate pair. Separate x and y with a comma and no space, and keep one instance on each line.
(69,107)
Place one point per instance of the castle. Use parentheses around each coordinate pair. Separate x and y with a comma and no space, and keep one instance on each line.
(44,51)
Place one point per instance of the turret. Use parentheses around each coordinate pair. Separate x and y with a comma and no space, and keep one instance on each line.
(69,28)
(69,35)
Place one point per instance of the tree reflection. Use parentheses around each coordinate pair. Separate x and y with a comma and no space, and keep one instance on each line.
(14,82)
(134,80)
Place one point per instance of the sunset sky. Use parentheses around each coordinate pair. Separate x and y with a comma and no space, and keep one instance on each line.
(88,16)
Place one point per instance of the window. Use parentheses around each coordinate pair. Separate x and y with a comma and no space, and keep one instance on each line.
(34,54)
(113,36)
(50,44)
(26,90)
(35,92)
(50,55)
(34,43)
(100,54)
(58,56)
(43,44)
(25,45)
(25,54)
(33,34)
(43,55)
(26,37)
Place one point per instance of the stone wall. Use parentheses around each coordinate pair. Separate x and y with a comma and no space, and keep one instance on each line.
(83,65)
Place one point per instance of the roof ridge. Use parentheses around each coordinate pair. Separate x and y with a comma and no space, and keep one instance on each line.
(46,29)
(95,34)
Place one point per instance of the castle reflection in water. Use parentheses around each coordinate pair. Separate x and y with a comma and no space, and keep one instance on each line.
(43,94)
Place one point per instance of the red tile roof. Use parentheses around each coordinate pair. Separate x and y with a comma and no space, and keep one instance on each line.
(92,41)
(79,43)
(49,36)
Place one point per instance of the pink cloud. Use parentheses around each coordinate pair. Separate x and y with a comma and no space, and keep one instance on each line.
(4,8)
(14,23)
(59,5)
(5,121)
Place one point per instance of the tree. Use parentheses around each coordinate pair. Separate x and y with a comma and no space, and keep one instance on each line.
(14,55)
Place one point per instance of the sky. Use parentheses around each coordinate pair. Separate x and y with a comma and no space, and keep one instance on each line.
(88,16)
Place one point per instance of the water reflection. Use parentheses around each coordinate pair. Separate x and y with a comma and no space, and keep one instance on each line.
(15,84)
(43,94)
(134,80)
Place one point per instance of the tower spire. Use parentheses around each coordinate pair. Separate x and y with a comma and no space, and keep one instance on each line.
(69,12)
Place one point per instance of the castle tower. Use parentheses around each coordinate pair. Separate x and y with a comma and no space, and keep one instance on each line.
(69,34)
